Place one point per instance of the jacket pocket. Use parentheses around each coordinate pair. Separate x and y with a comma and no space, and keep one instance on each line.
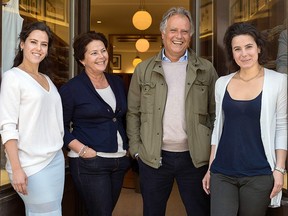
(147,97)
(203,149)
(200,99)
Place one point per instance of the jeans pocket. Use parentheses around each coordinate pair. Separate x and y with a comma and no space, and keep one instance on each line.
(88,165)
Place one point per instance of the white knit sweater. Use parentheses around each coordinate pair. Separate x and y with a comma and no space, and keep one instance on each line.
(174,124)
(33,116)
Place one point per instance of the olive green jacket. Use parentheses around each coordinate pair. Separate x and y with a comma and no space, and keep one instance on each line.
(146,103)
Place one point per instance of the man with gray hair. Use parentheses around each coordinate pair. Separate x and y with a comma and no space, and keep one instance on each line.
(171,110)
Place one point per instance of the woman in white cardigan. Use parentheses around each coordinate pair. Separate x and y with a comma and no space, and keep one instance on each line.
(249,140)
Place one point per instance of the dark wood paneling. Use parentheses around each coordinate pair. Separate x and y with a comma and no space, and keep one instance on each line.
(82,22)
(220,24)
(70,198)
(10,202)
(282,211)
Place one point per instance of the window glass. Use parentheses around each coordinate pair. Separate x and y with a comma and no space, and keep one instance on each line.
(55,13)
(206,30)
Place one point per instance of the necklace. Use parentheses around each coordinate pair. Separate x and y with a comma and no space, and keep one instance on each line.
(254,77)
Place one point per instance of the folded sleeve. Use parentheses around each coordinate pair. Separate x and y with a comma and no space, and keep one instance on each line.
(10,106)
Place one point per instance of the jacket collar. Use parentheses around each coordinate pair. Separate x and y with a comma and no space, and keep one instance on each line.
(84,78)
(193,60)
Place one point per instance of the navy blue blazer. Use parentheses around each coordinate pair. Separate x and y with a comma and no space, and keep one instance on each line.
(88,118)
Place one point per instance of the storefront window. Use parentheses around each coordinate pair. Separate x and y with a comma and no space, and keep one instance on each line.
(269,16)
(55,13)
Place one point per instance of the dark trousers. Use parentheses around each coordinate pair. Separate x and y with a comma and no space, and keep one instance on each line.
(245,196)
(100,181)
(156,185)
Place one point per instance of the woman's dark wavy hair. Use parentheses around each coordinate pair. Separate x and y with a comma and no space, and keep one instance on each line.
(243,28)
(24,34)
(81,42)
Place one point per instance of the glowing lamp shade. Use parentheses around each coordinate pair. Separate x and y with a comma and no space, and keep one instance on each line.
(142,45)
(136,61)
(142,20)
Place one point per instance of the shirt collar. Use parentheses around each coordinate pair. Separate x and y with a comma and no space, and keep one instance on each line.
(182,58)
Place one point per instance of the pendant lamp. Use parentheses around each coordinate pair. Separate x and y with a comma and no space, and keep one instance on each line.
(136,61)
(142,45)
(142,19)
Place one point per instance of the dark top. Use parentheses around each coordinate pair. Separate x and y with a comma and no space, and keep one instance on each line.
(88,118)
(240,152)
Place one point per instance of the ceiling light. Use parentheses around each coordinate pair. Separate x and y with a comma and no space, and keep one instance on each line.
(142,20)
(136,61)
(142,45)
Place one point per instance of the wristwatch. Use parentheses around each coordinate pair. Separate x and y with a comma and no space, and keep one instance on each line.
(282,170)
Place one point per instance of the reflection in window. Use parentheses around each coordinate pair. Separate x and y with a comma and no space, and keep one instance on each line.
(55,13)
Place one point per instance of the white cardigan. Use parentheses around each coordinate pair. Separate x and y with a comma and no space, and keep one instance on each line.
(33,116)
(273,119)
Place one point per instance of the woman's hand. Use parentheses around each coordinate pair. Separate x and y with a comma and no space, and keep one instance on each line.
(90,153)
(278,183)
(82,150)
(206,182)
(19,177)
(20,181)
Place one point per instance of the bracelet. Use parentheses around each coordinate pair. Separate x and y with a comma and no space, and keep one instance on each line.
(82,150)
(83,146)
(281,170)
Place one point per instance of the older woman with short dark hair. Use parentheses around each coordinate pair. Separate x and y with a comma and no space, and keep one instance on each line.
(94,107)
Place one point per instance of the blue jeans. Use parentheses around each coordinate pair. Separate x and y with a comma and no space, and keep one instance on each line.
(100,181)
(156,185)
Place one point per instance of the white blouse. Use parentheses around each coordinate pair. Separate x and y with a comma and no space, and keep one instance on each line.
(33,116)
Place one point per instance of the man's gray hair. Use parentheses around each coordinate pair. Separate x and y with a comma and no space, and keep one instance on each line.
(174,11)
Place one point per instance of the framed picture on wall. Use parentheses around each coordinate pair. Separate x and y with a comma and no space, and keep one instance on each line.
(116,62)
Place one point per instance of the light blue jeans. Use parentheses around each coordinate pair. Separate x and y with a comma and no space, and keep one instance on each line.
(45,189)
